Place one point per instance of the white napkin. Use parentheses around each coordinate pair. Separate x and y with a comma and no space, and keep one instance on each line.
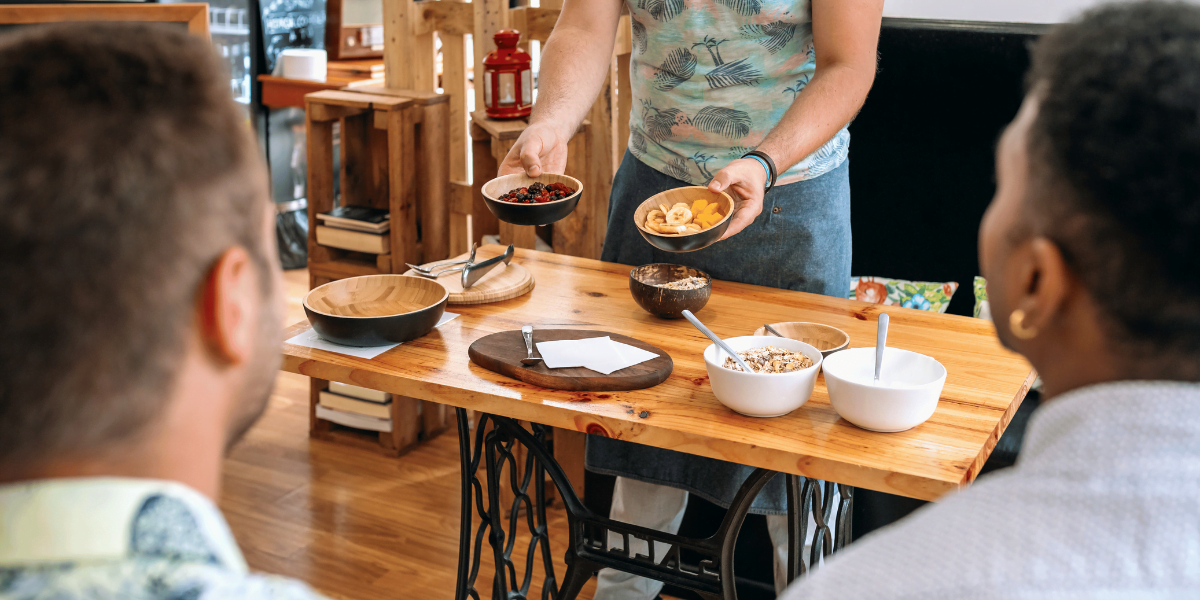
(309,338)
(599,354)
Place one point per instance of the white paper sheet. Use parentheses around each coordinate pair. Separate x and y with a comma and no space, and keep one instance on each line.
(599,354)
(310,339)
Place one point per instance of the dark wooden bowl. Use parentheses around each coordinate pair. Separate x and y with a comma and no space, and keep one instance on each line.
(375,310)
(691,241)
(662,302)
(530,214)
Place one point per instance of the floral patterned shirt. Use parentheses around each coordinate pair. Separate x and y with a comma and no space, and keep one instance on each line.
(711,78)
(132,539)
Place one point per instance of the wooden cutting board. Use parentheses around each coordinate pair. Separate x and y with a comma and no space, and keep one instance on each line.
(501,283)
(502,353)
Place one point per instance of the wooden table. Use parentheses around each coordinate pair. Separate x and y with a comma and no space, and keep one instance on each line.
(984,387)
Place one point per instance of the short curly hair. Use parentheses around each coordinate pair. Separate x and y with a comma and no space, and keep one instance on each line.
(1116,148)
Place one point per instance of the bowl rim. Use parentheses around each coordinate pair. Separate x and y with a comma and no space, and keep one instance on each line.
(817,364)
(708,278)
(578,191)
(445,296)
(938,381)
(843,346)
(732,209)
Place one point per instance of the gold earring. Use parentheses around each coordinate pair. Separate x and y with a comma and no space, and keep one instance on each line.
(1016,324)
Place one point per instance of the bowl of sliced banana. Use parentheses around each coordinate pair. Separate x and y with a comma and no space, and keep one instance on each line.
(684,219)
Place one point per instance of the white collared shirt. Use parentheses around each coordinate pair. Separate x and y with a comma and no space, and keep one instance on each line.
(108,537)
(1104,502)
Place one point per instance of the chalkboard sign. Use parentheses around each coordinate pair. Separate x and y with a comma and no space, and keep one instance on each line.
(291,24)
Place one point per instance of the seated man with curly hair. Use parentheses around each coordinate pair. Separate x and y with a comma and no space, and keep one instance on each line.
(1091,249)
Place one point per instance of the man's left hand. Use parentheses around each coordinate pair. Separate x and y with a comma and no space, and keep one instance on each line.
(743,179)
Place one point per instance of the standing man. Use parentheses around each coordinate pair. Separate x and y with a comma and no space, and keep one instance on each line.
(751,97)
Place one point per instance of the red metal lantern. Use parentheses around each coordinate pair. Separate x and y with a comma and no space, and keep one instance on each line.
(507,78)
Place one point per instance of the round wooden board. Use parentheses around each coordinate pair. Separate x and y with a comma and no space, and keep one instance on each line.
(502,353)
(501,283)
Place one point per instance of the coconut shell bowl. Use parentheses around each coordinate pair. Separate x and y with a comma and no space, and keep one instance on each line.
(543,213)
(822,337)
(375,310)
(691,241)
(663,302)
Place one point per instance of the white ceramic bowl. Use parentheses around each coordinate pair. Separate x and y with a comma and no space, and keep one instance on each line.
(761,394)
(906,396)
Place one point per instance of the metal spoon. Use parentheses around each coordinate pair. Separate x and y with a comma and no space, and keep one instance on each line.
(431,267)
(772,330)
(527,333)
(687,314)
(880,344)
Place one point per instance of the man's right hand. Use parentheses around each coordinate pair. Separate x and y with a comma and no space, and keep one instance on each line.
(540,149)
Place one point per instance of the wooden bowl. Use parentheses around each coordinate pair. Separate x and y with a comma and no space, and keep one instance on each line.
(375,310)
(822,337)
(530,214)
(662,302)
(691,241)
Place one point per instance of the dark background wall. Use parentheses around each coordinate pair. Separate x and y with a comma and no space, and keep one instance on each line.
(921,175)
(921,170)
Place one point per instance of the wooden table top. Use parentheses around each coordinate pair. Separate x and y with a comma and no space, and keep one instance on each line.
(984,386)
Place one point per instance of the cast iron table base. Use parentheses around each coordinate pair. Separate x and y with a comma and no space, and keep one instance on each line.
(588,550)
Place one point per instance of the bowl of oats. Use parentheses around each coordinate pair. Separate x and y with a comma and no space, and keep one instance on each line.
(665,290)
(784,374)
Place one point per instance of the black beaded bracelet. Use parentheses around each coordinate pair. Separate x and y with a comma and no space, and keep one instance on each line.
(773,174)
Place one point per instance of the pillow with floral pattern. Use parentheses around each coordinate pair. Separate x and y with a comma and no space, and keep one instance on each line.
(921,295)
(982,309)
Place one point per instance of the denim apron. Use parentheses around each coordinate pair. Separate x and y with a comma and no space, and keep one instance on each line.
(801,241)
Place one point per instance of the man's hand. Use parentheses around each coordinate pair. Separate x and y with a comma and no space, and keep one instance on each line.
(743,179)
(540,149)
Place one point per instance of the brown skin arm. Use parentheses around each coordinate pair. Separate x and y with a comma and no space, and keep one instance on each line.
(845,35)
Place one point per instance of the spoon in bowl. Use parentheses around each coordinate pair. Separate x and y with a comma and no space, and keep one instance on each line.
(773,332)
(687,314)
(880,344)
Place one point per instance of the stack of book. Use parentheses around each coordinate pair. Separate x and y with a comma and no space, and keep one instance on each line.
(357,228)
(356,407)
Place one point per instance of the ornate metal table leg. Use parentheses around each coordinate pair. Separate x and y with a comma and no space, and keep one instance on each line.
(807,496)
(588,549)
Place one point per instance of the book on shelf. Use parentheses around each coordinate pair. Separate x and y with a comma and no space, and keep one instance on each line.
(361,393)
(357,218)
(358,241)
(354,420)
(354,405)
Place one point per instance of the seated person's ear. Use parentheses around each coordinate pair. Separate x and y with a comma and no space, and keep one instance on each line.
(1045,283)
(229,307)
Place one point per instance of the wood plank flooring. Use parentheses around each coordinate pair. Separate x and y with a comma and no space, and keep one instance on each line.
(352,523)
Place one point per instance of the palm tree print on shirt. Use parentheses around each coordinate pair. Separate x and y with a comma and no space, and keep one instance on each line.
(639,35)
(662,10)
(700,160)
(678,68)
(743,7)
(772,36)
(739,72)
(800,83)
(729,122)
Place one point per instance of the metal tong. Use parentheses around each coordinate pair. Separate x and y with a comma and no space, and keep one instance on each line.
(472,272)
(434,267)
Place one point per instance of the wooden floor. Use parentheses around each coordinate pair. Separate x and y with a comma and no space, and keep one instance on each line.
(353,524)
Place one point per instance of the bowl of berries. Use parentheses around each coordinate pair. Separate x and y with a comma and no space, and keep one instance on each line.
(523,200)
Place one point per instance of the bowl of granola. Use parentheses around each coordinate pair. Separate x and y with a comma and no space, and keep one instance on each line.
(665,290)
(784,374)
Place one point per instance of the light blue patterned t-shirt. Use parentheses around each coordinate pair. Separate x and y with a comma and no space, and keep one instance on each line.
(711,78)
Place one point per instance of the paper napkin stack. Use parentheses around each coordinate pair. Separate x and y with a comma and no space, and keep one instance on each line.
(600,354)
